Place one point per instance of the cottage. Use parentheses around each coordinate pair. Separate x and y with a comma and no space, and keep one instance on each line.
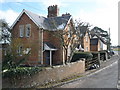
(97,45)
(93,42)
(37,34)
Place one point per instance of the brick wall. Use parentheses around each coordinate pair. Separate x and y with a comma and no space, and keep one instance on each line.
(32,41)
(57,55)
(47,75)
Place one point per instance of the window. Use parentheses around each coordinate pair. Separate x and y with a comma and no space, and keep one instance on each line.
(69,32)
(21,29)
(86,38)
(86,48)
(28,28)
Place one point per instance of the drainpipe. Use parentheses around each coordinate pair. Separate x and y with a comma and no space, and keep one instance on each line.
(42,48)
(39,47)
(40,54)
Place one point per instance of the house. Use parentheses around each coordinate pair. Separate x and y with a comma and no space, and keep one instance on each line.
(38,34)
(93,42)
(97,45)
(83,44)
(97,42)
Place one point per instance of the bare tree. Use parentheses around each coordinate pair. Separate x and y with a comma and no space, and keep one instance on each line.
(68,38)
(81,28)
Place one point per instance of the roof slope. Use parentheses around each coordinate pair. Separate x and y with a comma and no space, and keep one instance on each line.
(52,23)
(98,36)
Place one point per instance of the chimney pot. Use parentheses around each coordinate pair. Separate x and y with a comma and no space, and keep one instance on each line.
(66,14)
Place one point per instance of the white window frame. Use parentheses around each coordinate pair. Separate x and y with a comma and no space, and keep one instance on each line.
(21,30)
(69,32)
(87,38)
(28,30)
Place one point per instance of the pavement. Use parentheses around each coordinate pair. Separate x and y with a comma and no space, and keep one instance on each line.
(118,85)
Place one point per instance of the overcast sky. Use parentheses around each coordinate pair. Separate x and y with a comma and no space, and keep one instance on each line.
(101,13)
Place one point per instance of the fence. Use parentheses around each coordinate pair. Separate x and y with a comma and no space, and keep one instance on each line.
(92,61)
(96,59)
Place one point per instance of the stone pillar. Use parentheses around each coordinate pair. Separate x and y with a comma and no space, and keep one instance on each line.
(106,56)
(63,56)
(50,58)
(99,58)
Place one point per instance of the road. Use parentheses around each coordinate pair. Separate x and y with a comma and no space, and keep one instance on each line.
(118,86)
(106,77)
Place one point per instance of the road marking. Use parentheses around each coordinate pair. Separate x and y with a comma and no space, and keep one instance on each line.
(102,69)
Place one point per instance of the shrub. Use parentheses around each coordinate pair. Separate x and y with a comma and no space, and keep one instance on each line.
(9,61)
(20,71)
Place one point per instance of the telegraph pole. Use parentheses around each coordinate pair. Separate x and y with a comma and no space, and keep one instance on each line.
(109,44)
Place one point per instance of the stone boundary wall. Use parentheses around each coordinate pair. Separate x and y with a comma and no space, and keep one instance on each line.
(50,74)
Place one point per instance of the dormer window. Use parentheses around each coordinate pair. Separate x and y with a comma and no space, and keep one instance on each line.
(21,30)
(28,30)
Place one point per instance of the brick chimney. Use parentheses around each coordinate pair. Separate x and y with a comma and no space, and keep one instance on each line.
(53,11)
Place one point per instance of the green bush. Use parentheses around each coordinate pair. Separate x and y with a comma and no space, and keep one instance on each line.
(9,61)
(78,55)
(20,71)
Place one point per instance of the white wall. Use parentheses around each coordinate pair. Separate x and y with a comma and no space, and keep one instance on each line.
(104,47)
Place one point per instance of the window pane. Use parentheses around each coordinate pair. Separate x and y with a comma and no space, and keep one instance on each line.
(21,29)
(28,27)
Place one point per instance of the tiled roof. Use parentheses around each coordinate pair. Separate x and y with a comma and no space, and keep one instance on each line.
(49,46)
(52,23)
(83,30)
(93,34)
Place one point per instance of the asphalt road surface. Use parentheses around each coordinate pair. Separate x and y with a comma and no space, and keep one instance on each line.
(106,77)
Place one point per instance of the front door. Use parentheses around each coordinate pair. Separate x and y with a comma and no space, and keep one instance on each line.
(47,57)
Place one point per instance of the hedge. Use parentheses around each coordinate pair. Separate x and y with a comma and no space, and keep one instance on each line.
(78,55)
